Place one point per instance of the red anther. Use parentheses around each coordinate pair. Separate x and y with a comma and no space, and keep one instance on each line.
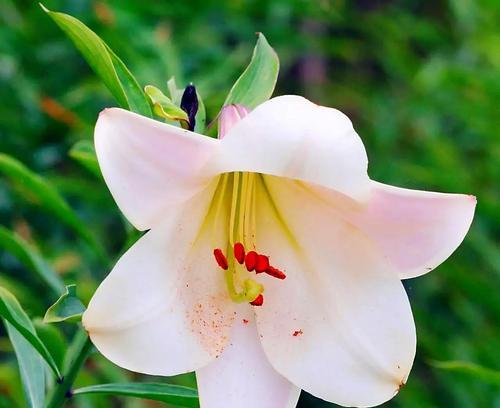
(258,301)
(220,258)
(275,272)
(251,260)
(262,263)
(239,252)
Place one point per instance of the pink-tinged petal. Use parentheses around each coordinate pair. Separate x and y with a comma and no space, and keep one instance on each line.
(416,230)
(148,164)
(164,310)
(242,376)
(340,325)
(291,137)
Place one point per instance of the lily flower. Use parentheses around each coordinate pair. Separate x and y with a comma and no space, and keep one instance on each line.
(272,264)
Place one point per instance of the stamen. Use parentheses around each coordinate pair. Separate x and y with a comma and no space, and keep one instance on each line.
(221,259)
(252,289)
(262,264)
(239,252)
(258,301)
(275,272)
(251,260)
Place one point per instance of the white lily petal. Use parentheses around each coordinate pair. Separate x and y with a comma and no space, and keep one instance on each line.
(416,230)
(291,137)
(242,376)
(147,164)
(163,310)
(340,325)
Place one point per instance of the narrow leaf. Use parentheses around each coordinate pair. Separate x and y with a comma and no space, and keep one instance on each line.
(53,339)
(30,258)
(83,152)
(163,106)
(485,374)
(46,196)
(31,367)
(256,84)
(175,91)
(172,394)
(105,63)
(12,312)
(201,116)
(68,308)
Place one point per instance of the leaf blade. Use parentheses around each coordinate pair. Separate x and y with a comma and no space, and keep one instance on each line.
(68,308)
(256,84)
(83,152)
(488,375)
(12,312)
(31,368)
(22,250)
(48,198)
(104,62)
(173,394)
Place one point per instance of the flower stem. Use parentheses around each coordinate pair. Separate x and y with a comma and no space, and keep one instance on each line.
(75,357)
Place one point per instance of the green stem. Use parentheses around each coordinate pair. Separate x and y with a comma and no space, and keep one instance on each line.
(75,357)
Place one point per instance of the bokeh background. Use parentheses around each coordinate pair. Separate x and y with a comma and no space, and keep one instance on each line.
(420,81)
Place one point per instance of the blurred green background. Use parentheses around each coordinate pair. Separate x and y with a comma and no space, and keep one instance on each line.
(420,81)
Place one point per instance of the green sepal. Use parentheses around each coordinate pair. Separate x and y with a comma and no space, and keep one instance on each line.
(163,106)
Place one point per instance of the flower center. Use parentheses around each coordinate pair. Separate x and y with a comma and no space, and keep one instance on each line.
(244,259)
(240,188)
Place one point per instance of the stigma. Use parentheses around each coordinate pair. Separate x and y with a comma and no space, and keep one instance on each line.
(252,261)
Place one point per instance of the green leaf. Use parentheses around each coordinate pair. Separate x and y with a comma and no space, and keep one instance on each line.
(256,84)
(68,308)
(37,189)
(53,339)
(27,255)
(105,63)
(31,367)
(163,106)
(172,394)
(12,312)
(83,152)
(483,373)
(201,116)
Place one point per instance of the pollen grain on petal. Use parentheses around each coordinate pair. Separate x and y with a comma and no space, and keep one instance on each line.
(221,259)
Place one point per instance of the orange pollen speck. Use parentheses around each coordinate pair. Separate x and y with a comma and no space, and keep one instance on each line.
(239,252)
(220,258)
(258,301)
(245,321)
